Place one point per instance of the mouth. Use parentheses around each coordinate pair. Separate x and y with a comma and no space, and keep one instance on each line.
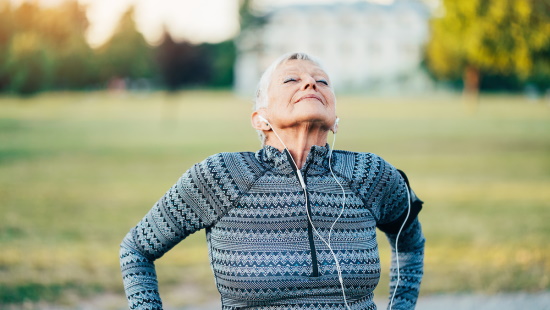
(311,96)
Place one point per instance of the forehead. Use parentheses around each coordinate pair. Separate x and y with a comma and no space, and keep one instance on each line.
(297,66)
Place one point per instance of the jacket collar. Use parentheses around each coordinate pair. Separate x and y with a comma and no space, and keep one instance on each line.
(316,161)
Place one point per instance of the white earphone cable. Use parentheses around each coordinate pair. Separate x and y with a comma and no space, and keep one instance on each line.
(339,184)
(337,263)
(339,270)
(396,250)
(327,243)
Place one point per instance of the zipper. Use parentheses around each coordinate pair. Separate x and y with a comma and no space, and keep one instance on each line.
(314,262)
(302,181)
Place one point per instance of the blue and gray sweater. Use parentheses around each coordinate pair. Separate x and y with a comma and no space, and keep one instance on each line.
(263,250)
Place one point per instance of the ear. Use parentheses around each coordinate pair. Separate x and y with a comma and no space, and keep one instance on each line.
(257,123)
(335,126)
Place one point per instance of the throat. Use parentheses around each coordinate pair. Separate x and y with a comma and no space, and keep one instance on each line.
(298,141)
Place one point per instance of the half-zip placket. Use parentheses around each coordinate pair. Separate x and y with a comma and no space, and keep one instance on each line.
(302,180)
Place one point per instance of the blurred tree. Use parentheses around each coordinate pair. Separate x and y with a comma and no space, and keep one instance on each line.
(498,37)
(208,64)
(44,48)
(182,63)
(29,66)
(7,24)
(249,18)
(126,54)
(221,58)
(28,63)
(76,66)
(540,76)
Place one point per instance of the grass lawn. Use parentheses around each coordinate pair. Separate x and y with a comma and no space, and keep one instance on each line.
(78,170)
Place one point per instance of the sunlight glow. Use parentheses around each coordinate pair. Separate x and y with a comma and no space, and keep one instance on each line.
(196,21)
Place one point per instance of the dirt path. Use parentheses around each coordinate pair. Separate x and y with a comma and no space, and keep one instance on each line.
(515,301)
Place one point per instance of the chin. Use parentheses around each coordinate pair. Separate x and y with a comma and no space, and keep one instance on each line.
(315,118)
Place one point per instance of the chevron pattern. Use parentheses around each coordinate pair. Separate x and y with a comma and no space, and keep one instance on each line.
(261,249)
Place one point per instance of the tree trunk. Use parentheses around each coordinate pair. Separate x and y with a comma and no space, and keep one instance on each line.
(470,94)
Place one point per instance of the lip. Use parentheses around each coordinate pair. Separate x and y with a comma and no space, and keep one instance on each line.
(310,96)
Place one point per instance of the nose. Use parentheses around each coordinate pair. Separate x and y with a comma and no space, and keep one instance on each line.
(309,83)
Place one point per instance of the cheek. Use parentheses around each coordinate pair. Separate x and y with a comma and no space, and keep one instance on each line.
(278,103)
(280,95)
(330,98)
(278,107)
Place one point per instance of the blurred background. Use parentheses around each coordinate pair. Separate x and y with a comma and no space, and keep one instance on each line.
(104,104)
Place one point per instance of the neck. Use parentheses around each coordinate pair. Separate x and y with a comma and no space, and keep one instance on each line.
(298,141)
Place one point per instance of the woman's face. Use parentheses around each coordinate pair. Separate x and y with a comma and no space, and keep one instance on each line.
(300,92)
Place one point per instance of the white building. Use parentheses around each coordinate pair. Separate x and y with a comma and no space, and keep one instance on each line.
(365,47)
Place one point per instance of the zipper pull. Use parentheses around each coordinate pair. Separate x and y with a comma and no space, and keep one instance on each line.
(301,179)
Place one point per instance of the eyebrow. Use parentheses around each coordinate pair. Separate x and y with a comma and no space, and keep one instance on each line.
(315,73)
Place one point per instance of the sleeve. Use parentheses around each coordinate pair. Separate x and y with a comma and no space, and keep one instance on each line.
(185,208)
(399,221)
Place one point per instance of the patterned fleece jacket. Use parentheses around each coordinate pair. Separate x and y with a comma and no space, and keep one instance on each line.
(264,251)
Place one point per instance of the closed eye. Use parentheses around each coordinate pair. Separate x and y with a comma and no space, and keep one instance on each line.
(322,81)
(289,80)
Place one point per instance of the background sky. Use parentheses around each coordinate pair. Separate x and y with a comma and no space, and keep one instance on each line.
(197,21)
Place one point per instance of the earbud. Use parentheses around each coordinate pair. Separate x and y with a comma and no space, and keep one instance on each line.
(263,119)
(335,127)
(327,241)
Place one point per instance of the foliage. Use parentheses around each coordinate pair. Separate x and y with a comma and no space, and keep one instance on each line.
(39,50)
(185,64)
(222,57)
(28,65)
(249,18)
(181,63)
(497,37)
(126,54)
(75,177)
(44,48)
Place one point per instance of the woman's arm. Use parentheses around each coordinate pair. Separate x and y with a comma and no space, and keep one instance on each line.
(184,209)
(410,248)
(399,221)
(139,276)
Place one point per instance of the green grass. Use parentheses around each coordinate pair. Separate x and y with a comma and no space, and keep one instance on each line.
(78,170)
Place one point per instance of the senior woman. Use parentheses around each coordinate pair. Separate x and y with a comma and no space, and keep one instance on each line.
(292,226)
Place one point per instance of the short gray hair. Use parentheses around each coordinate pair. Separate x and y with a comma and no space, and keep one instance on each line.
(261,99)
